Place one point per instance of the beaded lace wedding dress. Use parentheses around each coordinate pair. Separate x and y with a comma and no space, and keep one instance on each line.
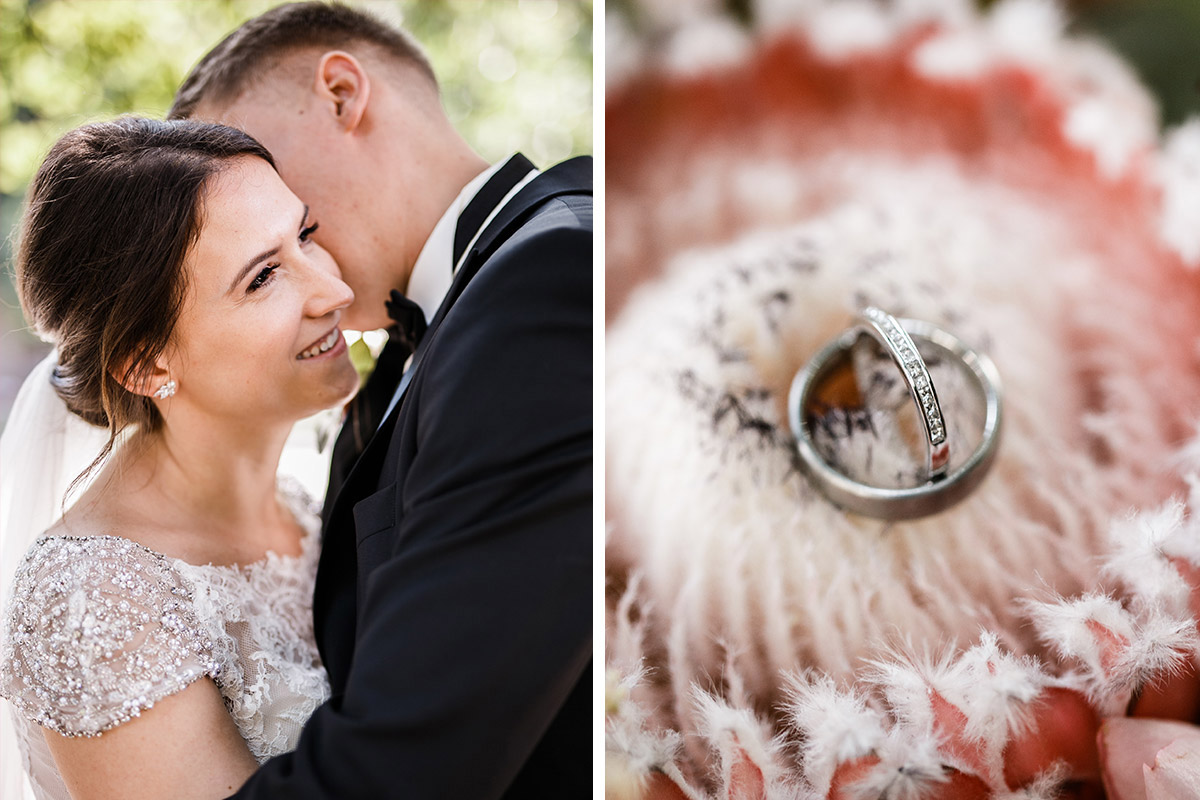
(101,628)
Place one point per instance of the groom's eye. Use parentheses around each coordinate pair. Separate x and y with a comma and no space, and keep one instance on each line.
(307,232)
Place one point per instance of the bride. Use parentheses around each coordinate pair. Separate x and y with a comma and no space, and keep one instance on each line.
(158,637)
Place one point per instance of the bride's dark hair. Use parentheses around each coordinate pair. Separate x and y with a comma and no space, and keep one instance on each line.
(111,215)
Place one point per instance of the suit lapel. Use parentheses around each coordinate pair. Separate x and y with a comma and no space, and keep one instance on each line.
(569,177)
(487,198)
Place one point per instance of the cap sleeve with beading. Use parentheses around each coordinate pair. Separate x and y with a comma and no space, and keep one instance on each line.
(98,630)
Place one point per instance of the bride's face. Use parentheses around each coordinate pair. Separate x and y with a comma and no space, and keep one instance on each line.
(258,338)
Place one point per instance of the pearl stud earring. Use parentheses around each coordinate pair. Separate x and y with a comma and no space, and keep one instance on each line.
(166,390)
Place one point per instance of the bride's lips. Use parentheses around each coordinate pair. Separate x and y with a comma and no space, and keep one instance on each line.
(330,344)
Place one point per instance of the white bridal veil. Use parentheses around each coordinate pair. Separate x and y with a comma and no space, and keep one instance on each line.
(42,449)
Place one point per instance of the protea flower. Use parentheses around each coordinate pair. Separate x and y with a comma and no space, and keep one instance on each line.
(989,174)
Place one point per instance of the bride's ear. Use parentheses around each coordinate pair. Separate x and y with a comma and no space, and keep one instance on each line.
(146,381)
(343,84)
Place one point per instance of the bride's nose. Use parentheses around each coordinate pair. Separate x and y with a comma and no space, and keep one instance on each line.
(327,292)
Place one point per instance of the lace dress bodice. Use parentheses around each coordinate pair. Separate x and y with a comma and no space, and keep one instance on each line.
(101,628)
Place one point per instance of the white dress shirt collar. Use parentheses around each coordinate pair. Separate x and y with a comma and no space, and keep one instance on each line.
(433,271)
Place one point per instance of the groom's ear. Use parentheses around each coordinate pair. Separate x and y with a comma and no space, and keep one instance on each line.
(343,84)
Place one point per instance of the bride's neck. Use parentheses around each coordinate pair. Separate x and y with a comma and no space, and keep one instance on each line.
(220,472)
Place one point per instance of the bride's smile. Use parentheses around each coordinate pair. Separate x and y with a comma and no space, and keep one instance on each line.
(326,345)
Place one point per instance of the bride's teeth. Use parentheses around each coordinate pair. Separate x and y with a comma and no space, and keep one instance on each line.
(322,346)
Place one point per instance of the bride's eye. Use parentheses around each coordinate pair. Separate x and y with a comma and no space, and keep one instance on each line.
(263,277)
(307,232)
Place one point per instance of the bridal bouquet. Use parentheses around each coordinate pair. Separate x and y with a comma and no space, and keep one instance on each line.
(990,174)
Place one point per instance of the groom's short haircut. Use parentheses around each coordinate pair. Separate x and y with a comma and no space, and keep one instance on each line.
(260,44)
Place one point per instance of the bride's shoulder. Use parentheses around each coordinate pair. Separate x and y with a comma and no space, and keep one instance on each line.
(65,579)
(106,618)
(83,558)
(83,553)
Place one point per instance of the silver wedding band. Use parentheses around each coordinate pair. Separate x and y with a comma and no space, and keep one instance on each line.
(903,340)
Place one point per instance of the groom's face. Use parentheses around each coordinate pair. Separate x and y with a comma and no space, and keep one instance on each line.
(320,168)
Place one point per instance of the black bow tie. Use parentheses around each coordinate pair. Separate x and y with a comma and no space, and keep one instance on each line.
(409,319)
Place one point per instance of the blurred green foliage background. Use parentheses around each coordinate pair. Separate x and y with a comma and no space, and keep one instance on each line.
(1161,41)
(516,75)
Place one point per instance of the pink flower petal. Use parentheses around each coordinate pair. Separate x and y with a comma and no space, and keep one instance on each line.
(1171,696)
(1128,745)
(660,787)
(1063,731)
(1176,772)
(746,781)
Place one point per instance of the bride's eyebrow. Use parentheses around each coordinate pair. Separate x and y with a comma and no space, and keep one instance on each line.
(264,255)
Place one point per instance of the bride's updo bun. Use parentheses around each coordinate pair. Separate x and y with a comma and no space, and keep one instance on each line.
(111,215)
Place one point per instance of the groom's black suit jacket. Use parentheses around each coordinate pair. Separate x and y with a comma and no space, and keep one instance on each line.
(453,601)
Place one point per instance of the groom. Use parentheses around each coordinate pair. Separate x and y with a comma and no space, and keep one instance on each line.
(453,597)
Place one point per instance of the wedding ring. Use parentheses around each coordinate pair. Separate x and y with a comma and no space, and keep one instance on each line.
(905,340)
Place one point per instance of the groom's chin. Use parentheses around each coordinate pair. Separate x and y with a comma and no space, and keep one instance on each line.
(358,320)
